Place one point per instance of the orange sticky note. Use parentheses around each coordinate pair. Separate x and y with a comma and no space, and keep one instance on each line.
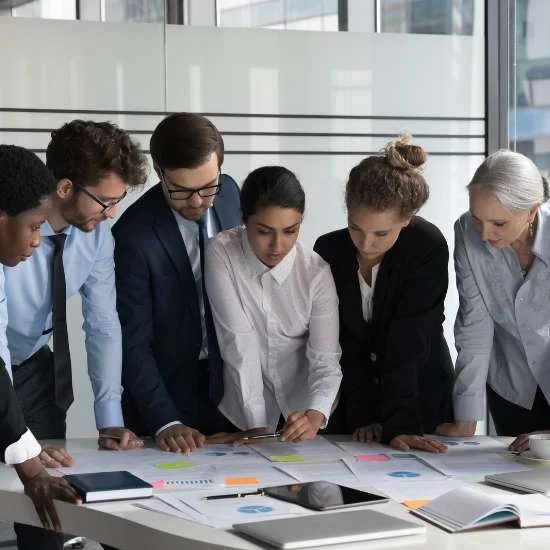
(240,480)
(415,503)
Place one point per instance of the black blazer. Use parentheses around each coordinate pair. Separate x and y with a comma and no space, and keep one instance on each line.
(160,316)
(396,369)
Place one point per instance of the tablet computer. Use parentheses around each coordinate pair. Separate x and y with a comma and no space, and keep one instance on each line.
(332,528)
(323,495)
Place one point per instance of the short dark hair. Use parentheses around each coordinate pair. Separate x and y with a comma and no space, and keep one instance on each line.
(85,151)
(271,186)
(185,140)
(390,181)
(24,180)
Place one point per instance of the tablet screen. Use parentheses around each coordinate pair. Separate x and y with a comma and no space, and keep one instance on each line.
(323,495)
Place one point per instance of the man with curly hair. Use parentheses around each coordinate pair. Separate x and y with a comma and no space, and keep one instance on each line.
(25,186)
(93,163)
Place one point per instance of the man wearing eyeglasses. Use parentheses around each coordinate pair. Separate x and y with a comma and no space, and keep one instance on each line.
(172,370)
(93,164)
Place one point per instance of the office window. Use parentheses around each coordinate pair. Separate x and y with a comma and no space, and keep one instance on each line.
(311,15)
(427,16)
(529,118)
(45,9)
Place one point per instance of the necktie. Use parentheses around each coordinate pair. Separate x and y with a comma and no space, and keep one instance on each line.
(61,354)
(209,322)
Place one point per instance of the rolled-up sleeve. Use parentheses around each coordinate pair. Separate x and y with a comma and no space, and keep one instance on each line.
(474,332)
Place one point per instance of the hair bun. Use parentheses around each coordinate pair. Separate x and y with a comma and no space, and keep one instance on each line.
(401,154)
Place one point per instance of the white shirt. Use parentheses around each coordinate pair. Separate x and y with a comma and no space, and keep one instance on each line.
(367,292)
(277,329)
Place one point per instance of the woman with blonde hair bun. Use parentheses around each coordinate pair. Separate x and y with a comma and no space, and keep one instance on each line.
(390,270)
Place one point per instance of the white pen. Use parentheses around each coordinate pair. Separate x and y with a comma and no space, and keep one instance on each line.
(262,436)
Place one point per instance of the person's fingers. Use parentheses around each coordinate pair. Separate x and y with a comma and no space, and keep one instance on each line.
(359,435)
(108,444)
(173,445)
(124,439)
(67,493)
(377,432)
(400,444)
(134,443)
(292,417)
(52,514)
(161,443)
(295,427)
(520,441)
(188,442)
(420,443)
(200,439)
(48,461)
(61,456)
(41,511)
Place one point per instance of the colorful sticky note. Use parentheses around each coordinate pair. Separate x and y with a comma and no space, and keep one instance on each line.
(240,480)
(413,504)
(286,458)
(173,465)
(380,457)
(157,484)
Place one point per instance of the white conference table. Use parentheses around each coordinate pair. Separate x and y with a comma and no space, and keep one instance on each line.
(127,527)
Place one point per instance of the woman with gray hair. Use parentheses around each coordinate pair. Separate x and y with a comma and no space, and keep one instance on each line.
(502,329)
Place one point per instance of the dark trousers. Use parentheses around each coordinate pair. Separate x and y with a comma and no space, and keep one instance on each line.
(34,384)
(514,420)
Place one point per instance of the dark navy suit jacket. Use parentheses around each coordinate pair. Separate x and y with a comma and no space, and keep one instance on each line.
(159,312)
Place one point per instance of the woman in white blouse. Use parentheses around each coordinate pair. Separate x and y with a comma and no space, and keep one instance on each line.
(275,309)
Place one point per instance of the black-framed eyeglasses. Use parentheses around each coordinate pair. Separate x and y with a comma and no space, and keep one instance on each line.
(106,206)
(185,193)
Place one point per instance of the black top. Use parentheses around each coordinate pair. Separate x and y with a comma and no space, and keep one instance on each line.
(12,423)
(396,369)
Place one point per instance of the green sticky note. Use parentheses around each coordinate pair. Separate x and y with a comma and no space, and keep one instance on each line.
(286,458)
(173,465)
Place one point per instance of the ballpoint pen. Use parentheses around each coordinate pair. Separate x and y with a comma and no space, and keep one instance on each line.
(262,436)
(259,492)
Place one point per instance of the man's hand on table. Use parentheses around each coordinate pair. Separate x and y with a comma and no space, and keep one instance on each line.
(55,457)
(118,439)
(42,489)
(407,442)
(179,438)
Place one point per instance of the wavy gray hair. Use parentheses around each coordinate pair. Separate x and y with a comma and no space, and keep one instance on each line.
(513,178)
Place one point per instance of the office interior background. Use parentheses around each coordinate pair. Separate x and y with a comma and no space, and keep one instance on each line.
(314,85)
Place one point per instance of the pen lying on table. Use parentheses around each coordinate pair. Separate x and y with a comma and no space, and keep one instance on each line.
(262,436)
(117,437)
(259,492)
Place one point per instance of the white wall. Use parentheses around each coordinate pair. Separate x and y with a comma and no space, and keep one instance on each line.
(132,73)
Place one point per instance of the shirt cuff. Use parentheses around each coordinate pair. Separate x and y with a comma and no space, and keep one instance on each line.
(468,407)
(176,422)
(108,414)
(22,450)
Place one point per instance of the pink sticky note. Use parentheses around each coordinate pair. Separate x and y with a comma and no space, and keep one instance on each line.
(372,458)
(157,484)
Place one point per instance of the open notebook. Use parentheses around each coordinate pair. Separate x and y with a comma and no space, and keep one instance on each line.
(468,508)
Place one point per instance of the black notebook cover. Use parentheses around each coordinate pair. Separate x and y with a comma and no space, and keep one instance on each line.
(109,486)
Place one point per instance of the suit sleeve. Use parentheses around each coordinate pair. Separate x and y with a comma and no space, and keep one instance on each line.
(408,340)
(140,374)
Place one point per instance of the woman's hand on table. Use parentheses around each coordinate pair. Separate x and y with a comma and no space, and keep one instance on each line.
(406,442)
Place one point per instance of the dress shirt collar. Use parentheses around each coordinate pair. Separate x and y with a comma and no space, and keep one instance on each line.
(46,230)
(541,246)
(280,272)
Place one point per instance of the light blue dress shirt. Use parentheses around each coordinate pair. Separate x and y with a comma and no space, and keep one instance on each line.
(89,270)
(502,329)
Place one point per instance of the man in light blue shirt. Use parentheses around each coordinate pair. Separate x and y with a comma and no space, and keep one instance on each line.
(93,163)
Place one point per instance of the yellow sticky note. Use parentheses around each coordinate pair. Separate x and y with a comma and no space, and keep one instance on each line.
(173,465)
(240,480)
(286,458)
(413,504)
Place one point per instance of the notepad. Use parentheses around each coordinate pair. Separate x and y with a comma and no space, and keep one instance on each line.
(102,486)
(468,508)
